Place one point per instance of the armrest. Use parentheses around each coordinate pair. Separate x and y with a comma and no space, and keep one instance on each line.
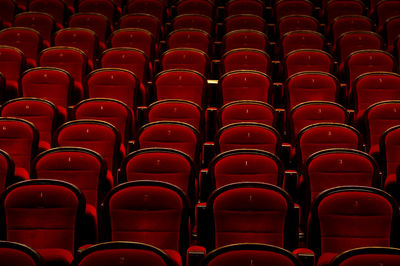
(131,146)
(306,256)
(211,123)
(290,182)
(208,152)
(204,185)
(141,114)
(194,255)
(201,223)
(286,150)
(280,121)
(278,91)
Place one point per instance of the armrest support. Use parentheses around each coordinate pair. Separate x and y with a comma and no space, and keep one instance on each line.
(194,255)
(201,223)
(208,153)
(306,256)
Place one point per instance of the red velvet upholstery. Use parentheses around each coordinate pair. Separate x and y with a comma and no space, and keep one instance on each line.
(311,86)
(70,59)
(42,22)
(322,136)
(40,112)
(378,118)
(244,21)
(246,58)
(308,113)
(106,8)
(368,256)
(385,10)
(391,31)
(245,38)
(55,8)
(123,252)
(194,21)
(245,85)
(200,7)
(162,164)
(12,253)
(49,83)
(307,60)
(245,165)
(152,7)
(26,39)
(114,83)
(80,38)
(44,214)
(141,21)
(112,111)
(134,38)
(245,254)
(185,58)
(92,21)
(297,22)
(189,38)
(6,170)
(352,41)
(247,135)
(176,110)
(96,135)
(370,88)
(294,7)
(347,23)
(251,213)
(343,218)
(150,212)
(19,138)
(246,111)
(83,168)
(364,61)
(389,143)
(235,7)
(12,62)
(181,84)
(170,134)
(7,12)
(338,167)
(301,39)
(335,9)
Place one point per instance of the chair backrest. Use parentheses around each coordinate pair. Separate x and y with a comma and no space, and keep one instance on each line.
(244,254)
(107,8)
(244,21)
(308,113)
(42,22)
(160,164)
(40,112)
(311,86)
(81,167)
(368,255)
(13,253)
(142,21)
(294,7)
(83,39)
(246,58)
(12,63)
(126,252)
(378,118)
(7,170)
(247,135)
(112,111)
(363,61)
(235,7)
(24,144)
(114,83)
(297,22)
(189,38)
(176,110)
(181,84)
(49,83)
(338,220)
(301,39)
(246,111)
(194,21)
(27,40)
(51,211)
(323,136)
(370,88)
(96,135)
(249,212)
(347,23)
(185,58)
(134,38)
(170,134)
(55,8)
(245,85)
(150,212)
(391,30)
(388,143)
(385,10)
(198,7)
(7,12)
(307,60)
(335,9)
(152,7)
(245,38)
